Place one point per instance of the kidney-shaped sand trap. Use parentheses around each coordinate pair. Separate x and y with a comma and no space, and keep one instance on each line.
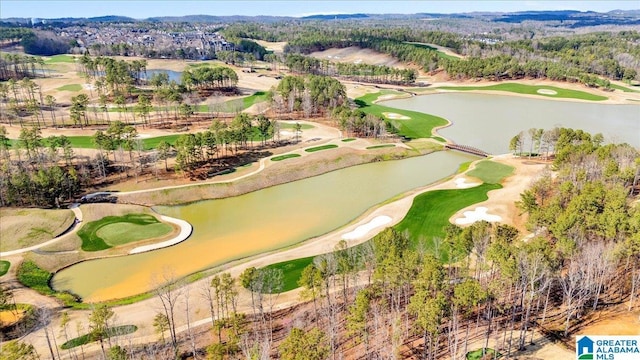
(362,230)
(395,116)
(547,92)
(461,183)
(479,214)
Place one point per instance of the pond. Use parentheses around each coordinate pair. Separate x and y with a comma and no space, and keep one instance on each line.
(253,223)
(488,121)
(173,75)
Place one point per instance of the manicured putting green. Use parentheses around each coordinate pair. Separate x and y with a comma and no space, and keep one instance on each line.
(548,91)
(380,146)
(107,232)
(320,148)
(122,233)
(490,172)
(70,87)
(284,157)
(4,267)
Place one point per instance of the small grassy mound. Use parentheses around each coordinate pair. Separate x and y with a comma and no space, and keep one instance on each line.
(532,90)
(320,148)
(111,332)
(101,235)
(478,354)
(284,157)
(70,87)
(623,88)
(4,267)
(349,140)
(380,146)
(32,276)
(490,172)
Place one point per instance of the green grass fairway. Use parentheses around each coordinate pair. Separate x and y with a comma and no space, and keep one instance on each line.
(4,267)
(60,59)
(111,332)
(380,146)
(430,212)
(320,148)
(105,233)
(438,52)
(292,270)
(284,157)
(490,172)
(477,354)
(419,125)
(70,87)
(348,140)
(284,125)
(152,143)
(532,90)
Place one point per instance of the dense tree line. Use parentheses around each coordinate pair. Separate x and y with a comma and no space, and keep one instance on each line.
(359,72)
(34,175)
(210,78)
(17,67)
(358,123)
(43,43)
(311,94)
(579,58)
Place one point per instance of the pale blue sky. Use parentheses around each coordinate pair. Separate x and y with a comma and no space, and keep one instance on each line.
(140,9)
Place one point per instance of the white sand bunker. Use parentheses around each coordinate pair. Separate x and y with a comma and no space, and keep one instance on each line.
(144,136)
(395,116)
(286,133)
(461,183)
(547,92)
(480,213)
(362,230)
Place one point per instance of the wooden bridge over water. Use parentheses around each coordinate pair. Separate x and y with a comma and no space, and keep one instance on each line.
(467,149)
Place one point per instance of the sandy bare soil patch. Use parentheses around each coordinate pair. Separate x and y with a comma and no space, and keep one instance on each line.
(461,183)
(8,317)
(626,323)
(276,47)
(480,213)
(356,55)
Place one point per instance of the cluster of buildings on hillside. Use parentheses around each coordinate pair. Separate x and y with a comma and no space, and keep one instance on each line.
(146,41)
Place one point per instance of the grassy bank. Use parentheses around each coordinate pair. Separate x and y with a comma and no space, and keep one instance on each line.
(4,267)
(532,90)
(27,227)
